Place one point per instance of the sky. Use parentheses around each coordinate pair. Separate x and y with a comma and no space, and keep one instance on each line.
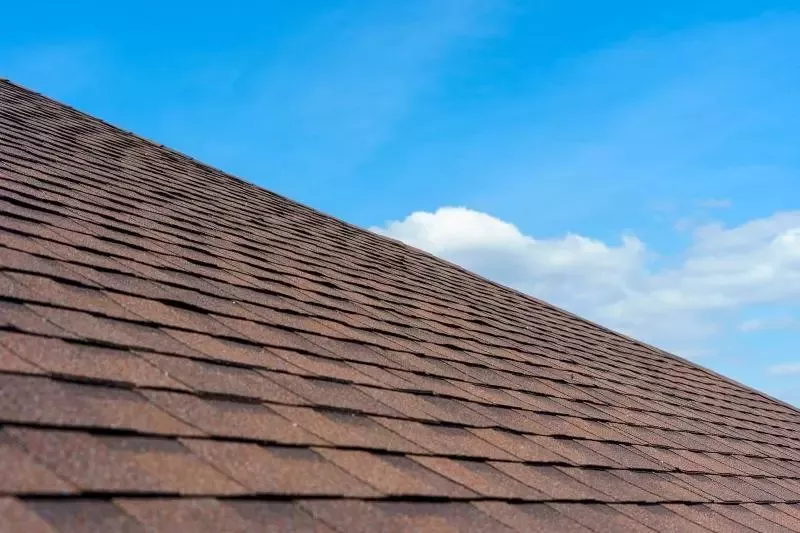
(634,162)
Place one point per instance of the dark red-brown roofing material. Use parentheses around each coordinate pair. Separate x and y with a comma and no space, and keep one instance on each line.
(181,351)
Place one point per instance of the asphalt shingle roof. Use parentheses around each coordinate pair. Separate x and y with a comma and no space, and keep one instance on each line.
(183,351)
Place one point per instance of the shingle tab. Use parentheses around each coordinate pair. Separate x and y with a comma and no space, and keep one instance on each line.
(183,351)
(531,517)
(37,400)
(277,517)
(481,477)
(100,363)
(85,516)
(601,518)
(125,464)
(347,429)
(231,419)
(19,517)
(397,475)
(196,515)
(280,470)
(22,474)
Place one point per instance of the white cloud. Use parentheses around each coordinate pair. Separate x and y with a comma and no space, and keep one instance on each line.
(785,369)
(722,271)
(500,251)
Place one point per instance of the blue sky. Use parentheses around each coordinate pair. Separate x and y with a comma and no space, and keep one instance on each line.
(635,162)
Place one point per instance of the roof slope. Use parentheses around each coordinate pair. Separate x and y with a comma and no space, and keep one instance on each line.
(183,351)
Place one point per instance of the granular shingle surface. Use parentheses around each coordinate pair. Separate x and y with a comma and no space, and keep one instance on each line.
(182,351)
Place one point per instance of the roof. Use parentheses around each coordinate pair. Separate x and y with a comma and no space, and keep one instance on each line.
(183,351)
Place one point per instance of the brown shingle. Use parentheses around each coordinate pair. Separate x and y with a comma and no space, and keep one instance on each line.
(559,426)
(481,477)
(522,446)
(445,440)
(531,517)
(42,400)
(22,474)
(231,419)
(354,516)
(268,335)
(165,315)
(513,419)
(551,481)
(781,490)
(789,483)
(105,330)
(744,486)
(711,486)
(123,464)
(492,395)
(226,380)
(774,514)
(346,429)
(382,376)
(22,318)
(612,486)
(350,351)
(669,489)
(195,515)
(277,517)
(167,330)
(705,517)
(623,455)
(320,366)
(455,412)
(85,516)
(58,357)
(227,350)
(791,509)
(16,516)
(603,431)
(708,463)
(411,405)
(601,517)
(440,517)
(670,460)
(431,384)
(575,451)
(331,394)
(10,362)
(659,518)
(27,262)
(52,292)
(280,470)
(746,517)
(396,475)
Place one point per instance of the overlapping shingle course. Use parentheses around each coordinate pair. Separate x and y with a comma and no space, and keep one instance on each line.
(183,351)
